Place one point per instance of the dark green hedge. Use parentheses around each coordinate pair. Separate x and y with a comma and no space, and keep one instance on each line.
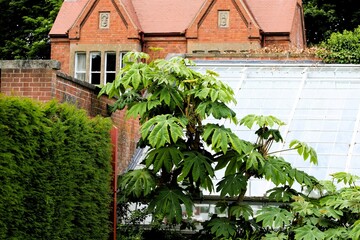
(55,172)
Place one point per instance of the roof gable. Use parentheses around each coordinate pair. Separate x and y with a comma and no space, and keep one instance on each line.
(74,13)
(208,6)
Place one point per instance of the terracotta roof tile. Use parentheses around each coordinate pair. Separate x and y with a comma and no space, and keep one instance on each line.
(175,16)
(131,11)
(166,16)
(67,15)
(273,15)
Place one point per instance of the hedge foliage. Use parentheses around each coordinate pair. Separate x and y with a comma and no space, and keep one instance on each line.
(341,47)
(55,172)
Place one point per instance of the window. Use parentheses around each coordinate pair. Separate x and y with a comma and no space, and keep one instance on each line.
(95,67)
(98,67)
(80,65)
(110,66)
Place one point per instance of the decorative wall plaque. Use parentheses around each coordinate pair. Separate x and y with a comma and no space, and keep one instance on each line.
(104,20)
(223,19)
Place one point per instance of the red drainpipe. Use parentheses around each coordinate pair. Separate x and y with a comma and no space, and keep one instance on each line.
(114,133)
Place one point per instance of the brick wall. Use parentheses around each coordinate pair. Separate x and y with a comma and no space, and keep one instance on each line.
(42,80)
(167,44)
(60,51)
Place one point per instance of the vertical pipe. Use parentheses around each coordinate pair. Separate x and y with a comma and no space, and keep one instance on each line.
(114,133)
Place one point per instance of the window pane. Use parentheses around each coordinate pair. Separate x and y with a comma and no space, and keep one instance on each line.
(80,61)
(110,77)
(80,76)
(110,61)
(95,78)
(95,61)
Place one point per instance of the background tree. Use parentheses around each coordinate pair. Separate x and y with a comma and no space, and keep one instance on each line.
(323,17)
(24,28)
(341,47)
(183,152)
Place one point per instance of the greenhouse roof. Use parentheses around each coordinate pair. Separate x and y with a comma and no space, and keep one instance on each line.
(319,103)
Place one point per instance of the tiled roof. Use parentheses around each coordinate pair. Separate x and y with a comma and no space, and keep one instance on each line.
(175,16)
(128,4)
(67,15)
(166,16)
(273,16)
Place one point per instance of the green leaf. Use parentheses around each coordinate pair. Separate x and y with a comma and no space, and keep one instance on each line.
(137,109)
(232,185)
(276,170)
(222,227)
(254,160)
(274,217)
(137,182)
(330,212)
(276,236)
(134,76)
(166,157)
(304,150)
(260,120)
(339,233)
(303,208)
(282,194)
(355,230)
(162,129)
(198,167)
(167,203)
(241,210)
(217,109)
(220,138)
(346,178)
(308,232)
(303,178)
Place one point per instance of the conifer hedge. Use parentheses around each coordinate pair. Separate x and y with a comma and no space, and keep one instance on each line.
(55,172)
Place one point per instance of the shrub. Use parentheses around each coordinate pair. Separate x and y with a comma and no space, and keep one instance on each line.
(341,47)
(55,172)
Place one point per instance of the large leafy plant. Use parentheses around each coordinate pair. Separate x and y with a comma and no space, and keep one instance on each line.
(172,101)
(335,214)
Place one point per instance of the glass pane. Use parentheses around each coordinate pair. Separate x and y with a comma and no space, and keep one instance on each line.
(110,77)
(80,61)
(80,76)
(95,61)
(110,61)
(95,78)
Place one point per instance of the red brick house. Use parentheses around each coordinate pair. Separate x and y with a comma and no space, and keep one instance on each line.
(89,37)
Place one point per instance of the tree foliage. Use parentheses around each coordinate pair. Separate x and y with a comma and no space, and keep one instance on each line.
(341,47)
(184,152)
(25,25)
(324,17)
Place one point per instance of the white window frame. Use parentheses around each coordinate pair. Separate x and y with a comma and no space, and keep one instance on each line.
(78,71)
